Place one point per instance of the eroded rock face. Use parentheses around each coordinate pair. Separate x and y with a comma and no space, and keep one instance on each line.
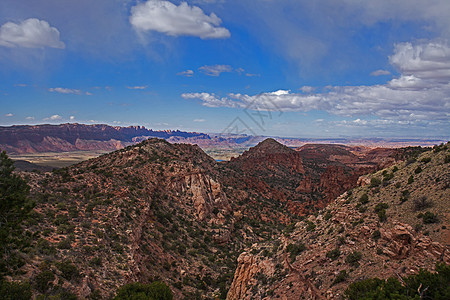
(402,241)
(205,194)
(305,185)
(249,266)
(351,240)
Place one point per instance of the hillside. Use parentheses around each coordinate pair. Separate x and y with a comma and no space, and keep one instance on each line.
(392,225)
(169,212)
(305,178)
(151,211)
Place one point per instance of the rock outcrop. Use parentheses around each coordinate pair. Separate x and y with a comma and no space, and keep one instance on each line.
(377,230)
(249,267)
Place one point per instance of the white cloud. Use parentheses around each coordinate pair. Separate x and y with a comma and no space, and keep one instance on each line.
(141,87)
(240,70)
(211,100)
(31,33)
(187,73)
(53,118)
(65,91)
(173,20)
(380,73)
(422,92)
(408,82)
(29,118)
(428,61)
(215,70)
(72,118)
(9,115)
(199,120)
(307,89)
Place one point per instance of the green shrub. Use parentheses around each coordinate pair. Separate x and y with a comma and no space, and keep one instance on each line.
(382,215)
(447,159)
(43,281)
(295,249)
(380,209)
(426,160)
(353,258)
(137,291)
(96,261)
(405,196)
(364,199)
(420,203)
(376,235)
(375,182)
(310,226)
(64,244)
(381,206)
(44,247)
(15,291)
(424,285)
(68,270)
(334,254)
(387,177)
(341,277)
(429,218)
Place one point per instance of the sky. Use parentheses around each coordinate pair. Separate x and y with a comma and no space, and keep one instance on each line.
(324,68)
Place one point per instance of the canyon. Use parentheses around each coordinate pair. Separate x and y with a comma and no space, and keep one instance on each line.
(222,229)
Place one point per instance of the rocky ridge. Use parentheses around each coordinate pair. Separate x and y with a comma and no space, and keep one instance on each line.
(395,224)
(161,211)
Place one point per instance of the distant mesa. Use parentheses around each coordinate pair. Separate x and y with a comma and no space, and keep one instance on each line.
(20,139)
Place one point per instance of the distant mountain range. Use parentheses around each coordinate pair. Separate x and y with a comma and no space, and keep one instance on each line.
(27,139)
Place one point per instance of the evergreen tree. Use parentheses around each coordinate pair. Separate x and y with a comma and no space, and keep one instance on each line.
(15,205)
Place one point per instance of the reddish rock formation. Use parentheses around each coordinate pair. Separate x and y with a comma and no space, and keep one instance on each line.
(305,185)
(351,240)
(269,154)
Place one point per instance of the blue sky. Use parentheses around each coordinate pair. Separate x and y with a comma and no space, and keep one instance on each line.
(322,68)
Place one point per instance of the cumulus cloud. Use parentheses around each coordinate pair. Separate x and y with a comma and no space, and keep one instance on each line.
(215,70)
(65,91)
(422,92)
(29,118)
(173,20)
(9,115)
(428,61)
(31,33)
(72,118)
(380,73)
(53,118)
(199,120)
(380,100)
(187,73)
